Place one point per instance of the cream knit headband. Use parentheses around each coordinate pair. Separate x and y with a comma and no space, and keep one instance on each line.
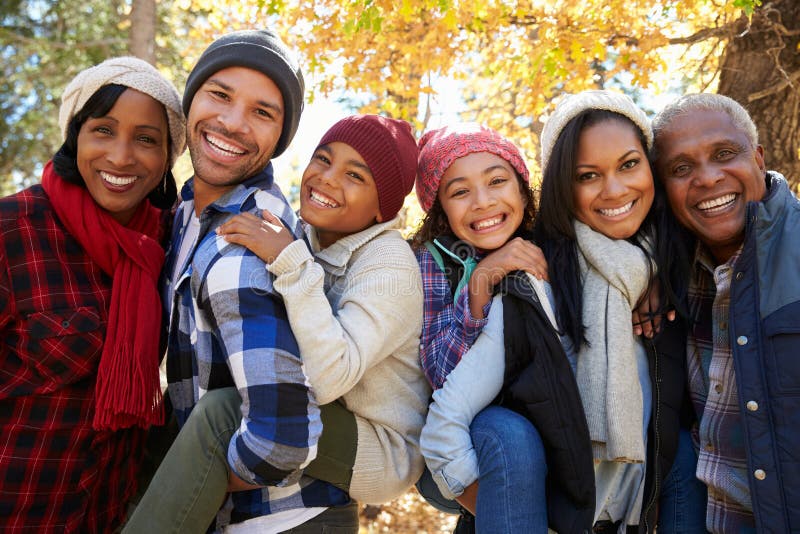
(130,72)
(572,105)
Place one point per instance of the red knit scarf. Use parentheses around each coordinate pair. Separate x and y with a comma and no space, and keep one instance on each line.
(127,392)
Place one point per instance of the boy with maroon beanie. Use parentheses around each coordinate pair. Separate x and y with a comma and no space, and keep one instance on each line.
(353,296)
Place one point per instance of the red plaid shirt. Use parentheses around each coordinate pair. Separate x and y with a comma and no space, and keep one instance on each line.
(57,473)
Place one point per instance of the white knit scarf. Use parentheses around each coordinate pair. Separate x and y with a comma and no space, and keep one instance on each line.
(615,275)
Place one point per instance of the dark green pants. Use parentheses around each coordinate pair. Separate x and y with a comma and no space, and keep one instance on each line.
(336,451)
(191,482)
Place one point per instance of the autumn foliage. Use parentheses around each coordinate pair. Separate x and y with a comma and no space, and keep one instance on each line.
(514,58)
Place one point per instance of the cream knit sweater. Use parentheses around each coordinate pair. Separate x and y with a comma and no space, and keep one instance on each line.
(356,311)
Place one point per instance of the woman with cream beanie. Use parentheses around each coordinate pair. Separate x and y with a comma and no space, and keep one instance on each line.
(80,257)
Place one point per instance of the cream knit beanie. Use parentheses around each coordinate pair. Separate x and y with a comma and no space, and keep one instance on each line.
(572,105)
(130,72)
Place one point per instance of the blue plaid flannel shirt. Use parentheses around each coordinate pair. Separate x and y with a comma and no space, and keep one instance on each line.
(228,327)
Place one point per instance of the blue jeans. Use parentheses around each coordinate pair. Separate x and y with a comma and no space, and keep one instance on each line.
(682,508)
(511,485)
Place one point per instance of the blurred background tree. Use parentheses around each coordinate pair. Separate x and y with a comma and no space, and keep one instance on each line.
(44,44)
(510,59)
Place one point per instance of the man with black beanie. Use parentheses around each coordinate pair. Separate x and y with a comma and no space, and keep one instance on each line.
(231,355)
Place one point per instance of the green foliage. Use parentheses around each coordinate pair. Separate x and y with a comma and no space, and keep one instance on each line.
(43,45)
(748,6)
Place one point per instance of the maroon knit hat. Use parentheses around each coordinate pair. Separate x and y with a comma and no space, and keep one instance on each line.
(439,148)
(389,150)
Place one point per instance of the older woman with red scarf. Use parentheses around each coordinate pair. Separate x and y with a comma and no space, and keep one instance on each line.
(80,317)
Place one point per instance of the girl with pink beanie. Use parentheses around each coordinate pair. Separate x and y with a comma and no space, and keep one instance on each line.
(473,184)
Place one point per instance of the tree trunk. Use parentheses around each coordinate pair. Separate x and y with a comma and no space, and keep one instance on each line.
(143,30)
(761,70)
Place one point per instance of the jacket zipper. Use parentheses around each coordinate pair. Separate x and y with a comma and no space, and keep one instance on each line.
(656,436)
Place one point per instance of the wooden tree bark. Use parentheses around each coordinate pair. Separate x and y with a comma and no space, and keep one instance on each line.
(760,69)
(142,42)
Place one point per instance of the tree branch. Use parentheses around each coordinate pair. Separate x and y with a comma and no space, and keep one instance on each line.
(777,25)
(711,55)
(706,33)
(777,88)
(525,20)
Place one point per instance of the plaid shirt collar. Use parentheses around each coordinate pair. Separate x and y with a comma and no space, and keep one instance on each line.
(234,200)
(703,259)
(239,199)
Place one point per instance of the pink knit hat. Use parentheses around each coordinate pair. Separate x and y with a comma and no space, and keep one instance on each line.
(439,148)
(389,150)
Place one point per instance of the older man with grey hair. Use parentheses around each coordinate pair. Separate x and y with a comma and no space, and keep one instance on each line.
(744,302)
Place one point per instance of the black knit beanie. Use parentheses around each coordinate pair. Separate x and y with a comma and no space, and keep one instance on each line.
(260,50)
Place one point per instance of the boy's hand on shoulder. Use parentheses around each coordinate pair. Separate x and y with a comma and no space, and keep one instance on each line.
(266,237)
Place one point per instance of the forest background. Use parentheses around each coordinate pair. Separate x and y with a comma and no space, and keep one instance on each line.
(500,62)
